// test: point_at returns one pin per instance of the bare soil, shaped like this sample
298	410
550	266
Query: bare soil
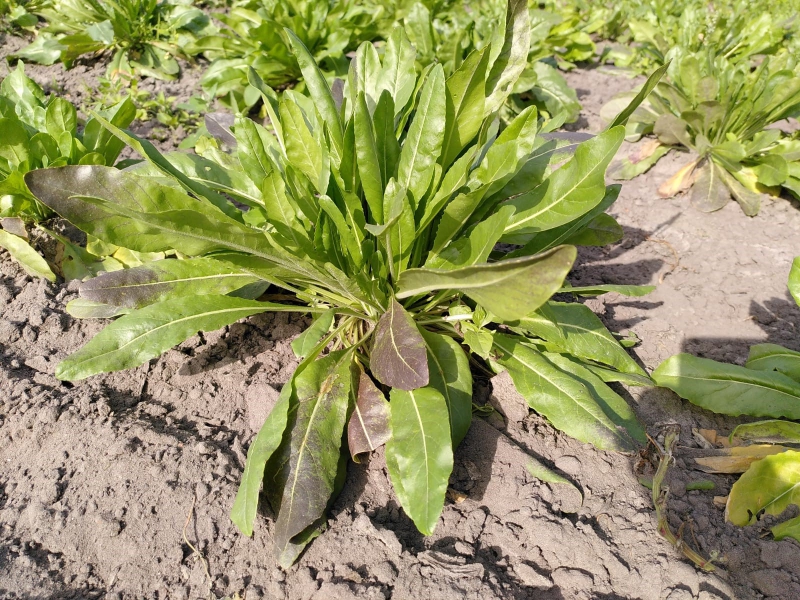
119	487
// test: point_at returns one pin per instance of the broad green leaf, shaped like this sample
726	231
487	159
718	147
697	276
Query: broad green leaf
137	337
317	417
423	142
157	281
513	56
767	432
772	357
419	454
309	339
150	153
600	231
27	257
450	375
553	237
749	200
566	401
794	280
790	528
510	289
613	405
634	291
569	192
580	332
769	486
61	117
243	512
252	148
709	192
369	426
367	158
474	247
628	169
302	149
464	96
386	144
730	389
399	357
398	76
318	88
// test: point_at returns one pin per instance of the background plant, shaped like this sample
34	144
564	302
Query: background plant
252	36
16	16
767	386
143	36
721	112
377	211
38	131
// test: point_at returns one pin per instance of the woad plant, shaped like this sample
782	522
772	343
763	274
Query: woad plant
375	206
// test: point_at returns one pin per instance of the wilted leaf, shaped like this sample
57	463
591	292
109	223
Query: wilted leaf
317	417
369	426
709	192
399	358
769	486
736	460
768	432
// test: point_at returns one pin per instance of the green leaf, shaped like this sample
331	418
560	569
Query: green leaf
61	117
419	454
302	148
367	159
767	432
569	192
163	279
464	96
790	528
634	291
318	88
304	343
628	169
398	76
243	512
730	389
580	332
369	427
794	280
769	486
649	85
513	56
772	357
566	401
399	358
450	375
600	231
137	337
26	256
317	417
510	289
474	247
423	143
149	152
386	144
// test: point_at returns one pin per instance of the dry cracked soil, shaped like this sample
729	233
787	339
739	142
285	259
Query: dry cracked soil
119	487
